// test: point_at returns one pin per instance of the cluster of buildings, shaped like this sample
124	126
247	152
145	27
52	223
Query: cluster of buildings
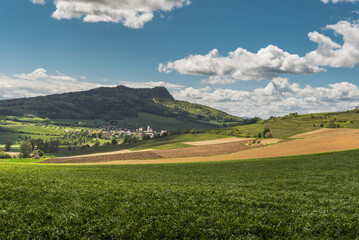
115	132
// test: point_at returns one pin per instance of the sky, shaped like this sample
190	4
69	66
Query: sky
247	57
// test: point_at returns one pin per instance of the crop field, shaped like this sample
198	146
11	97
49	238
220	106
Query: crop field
302	197
322	140
176	141
4	136
206	150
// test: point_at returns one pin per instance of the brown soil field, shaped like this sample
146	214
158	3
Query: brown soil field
218	141
322	140
206	150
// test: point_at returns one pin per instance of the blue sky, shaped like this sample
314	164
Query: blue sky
123	51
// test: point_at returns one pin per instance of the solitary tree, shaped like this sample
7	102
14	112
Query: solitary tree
25	149
265	130
8	145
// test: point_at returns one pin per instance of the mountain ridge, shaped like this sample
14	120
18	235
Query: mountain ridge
115	103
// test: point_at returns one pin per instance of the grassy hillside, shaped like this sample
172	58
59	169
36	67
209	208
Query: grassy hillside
303	197
117	105
290	125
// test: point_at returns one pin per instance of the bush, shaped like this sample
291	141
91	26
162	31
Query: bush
114	141
265	131
268	135
8	145
4	155
37	152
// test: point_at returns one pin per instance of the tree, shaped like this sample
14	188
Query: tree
265	130
114	141
8	146
268	135
25	149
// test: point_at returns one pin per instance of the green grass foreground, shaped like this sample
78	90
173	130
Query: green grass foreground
306	197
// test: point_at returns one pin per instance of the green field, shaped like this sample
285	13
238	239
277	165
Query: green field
169	142
31	129
175	141
301	197
142	120
285	128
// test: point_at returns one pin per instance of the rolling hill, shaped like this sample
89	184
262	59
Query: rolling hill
292	124
120	106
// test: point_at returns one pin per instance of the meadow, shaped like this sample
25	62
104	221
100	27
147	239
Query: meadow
305	197
285	127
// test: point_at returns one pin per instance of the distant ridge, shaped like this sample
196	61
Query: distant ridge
115	103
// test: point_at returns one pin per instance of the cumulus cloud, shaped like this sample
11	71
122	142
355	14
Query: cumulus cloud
278	98
330	53
131	13
151	85
38	83
267	63
272	62
38	1
337	1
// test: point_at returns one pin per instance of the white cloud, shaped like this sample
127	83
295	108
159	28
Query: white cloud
267	63
42	2
151	85
131	13
278	98
272	62
337	1
38	83
333	54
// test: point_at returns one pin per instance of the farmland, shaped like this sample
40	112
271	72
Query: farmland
285	127
313	196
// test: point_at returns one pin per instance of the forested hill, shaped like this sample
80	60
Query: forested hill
113	103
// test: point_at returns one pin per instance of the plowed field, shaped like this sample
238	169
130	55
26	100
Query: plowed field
322	140
205	150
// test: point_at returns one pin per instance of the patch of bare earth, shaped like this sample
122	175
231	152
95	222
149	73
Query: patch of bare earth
322	140
218	141
205	150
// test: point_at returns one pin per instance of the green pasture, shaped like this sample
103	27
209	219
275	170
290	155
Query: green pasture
142	120
31	129
300	197
285	128
175	141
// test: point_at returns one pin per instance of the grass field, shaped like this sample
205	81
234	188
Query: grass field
142	120
302	197
285	128
169	142
31	129
175	141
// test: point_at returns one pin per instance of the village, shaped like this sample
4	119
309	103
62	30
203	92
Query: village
114	132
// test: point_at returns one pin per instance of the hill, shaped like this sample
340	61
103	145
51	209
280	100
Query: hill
123	104
292	124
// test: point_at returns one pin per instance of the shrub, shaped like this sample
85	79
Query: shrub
114	141
37	152
4	155
265	131
268	135
8	145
